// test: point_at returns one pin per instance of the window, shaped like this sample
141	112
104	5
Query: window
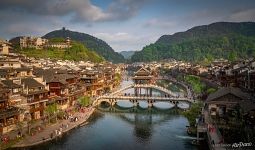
15	90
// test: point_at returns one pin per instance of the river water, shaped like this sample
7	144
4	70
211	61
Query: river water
128	128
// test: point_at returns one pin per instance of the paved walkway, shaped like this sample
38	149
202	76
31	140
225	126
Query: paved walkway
213	133
56	130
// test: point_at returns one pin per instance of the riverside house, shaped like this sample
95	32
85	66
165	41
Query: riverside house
224	100
109	75
93	81
36	96
64	87
15	99
9	115
232	112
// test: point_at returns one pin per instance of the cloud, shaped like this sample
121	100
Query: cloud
28	16
116	37
124	9
120	41
80	10
242	15
161	23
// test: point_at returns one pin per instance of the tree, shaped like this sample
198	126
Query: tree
195	45
232	56
20	126
211	90
193	113
84	101
51	110
117	77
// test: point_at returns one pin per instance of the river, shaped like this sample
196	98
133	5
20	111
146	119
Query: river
127	128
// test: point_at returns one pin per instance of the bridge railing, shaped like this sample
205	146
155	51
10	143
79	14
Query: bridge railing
123	89
184	84
156	87
148	98
170	94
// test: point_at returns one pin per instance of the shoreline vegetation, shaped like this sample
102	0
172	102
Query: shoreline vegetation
192	114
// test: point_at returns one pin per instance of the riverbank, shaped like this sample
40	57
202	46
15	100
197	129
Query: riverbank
56	130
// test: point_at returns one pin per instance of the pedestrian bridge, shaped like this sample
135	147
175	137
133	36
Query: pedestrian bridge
153	86
168	96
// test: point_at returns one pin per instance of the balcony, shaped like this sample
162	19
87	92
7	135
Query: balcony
12	111
37	99
16	97
36	92
40	108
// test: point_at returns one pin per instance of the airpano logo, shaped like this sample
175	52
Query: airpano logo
238	145
241	144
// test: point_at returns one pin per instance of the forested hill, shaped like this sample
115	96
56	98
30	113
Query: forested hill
203	43
92	43
127	54
77	52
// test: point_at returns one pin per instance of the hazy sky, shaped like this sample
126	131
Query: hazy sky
123	24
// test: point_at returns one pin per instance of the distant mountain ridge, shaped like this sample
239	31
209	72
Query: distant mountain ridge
92	43
217	40
127	54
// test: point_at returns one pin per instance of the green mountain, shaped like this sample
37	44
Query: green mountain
203	43
92	43
76	52
127	54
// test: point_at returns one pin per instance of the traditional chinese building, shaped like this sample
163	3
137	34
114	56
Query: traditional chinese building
9	115
94	82
143	76
225	99
36	95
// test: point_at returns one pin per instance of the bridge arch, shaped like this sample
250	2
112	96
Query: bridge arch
169	97
99	101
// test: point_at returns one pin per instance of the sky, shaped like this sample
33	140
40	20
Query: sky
123	24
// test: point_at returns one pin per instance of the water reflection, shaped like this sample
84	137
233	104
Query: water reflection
183	105
124	103
143	104
163	105
144	123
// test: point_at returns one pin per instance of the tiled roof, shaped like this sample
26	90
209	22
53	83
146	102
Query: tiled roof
54	75
142	72
31	83
247	106
228	90
9	84
23	69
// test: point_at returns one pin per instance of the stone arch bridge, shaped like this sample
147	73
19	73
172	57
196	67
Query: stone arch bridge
168	96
